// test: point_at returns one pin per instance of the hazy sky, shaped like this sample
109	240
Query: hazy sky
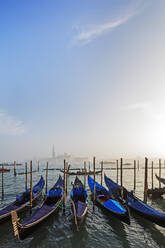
86	76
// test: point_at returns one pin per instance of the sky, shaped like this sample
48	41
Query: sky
86	76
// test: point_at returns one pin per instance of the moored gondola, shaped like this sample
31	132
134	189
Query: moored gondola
22	200
104	199
53	199
78	199
162	180
136	204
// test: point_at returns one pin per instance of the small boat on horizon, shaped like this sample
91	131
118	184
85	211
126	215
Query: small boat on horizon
81	172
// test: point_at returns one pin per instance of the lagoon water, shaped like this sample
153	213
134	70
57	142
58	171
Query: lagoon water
97	230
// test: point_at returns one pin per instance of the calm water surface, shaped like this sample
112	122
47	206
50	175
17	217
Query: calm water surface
97	230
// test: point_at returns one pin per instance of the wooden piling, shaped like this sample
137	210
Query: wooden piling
159	172
134	174
94	171
2	182
38	165
121	172
101	172
64	182
138	164
152	175
26	176
145	180
85	170
46	178
89	166
31	184
117	164
15	173
66	177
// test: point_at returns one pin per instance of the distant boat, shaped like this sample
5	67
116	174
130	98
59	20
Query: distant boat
22	200
53	199
162	180
136	204
104	199
81	172
78	198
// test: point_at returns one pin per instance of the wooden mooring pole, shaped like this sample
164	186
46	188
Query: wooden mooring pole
15	173
94	179
38	165
152	175
64	182
134	174
102	172
26	176
46	177
89	166
85	170
117	164
31	184
2	182
66	176
121	178
159	172
121	172
145	180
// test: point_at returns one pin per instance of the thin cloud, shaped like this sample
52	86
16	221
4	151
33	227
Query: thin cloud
88	35
10	125
148	109
138	106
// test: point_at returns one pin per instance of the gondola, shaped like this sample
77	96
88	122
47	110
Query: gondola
22	200
78	199
162	180
53	199
136	204
104	199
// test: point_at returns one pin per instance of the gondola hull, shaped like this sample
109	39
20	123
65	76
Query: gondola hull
5	213
139	206
53	199
7	216
81	210
123	217
78	195
111	206
25	230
